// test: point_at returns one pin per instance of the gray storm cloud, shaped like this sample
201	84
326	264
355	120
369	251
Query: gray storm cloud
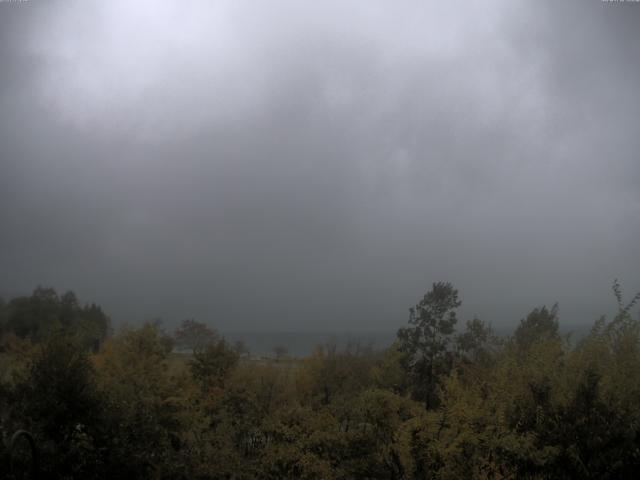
316	165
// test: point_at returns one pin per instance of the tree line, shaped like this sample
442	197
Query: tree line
440	402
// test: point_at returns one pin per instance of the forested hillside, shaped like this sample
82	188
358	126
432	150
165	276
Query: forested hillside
447	400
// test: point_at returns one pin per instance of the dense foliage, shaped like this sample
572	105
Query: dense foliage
435	404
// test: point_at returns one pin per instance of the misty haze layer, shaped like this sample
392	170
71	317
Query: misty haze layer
292	165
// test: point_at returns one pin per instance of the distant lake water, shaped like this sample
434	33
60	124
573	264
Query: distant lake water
301	344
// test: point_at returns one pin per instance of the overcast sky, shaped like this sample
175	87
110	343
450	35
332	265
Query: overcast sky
316	165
